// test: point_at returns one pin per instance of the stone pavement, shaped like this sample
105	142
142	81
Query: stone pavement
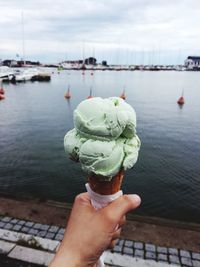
37	243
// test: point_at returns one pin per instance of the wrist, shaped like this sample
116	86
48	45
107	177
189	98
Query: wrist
67	258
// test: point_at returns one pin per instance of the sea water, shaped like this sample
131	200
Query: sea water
34	118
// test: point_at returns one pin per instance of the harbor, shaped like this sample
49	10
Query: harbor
21	71
10	68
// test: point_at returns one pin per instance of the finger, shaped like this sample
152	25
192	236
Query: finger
115	237
83	197
119	207
116	234
83	201
122	222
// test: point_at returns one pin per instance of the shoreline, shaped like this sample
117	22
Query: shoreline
161	232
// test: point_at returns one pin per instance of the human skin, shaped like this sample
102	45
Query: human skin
90	232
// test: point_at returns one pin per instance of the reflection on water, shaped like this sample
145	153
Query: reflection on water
180	106
35	117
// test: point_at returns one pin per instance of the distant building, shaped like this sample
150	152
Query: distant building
104	63
10	63
19	63
73	61
28	62
72	64
90	61
192	63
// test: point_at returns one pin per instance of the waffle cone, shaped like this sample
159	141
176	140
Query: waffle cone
102	187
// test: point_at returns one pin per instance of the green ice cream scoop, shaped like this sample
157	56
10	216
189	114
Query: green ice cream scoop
104	139
105	119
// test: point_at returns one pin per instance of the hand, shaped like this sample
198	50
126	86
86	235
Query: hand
89	232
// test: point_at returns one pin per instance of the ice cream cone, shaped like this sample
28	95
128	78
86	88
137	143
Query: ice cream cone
104	187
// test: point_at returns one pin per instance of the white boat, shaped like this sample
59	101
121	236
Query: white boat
42	75
6	73
180	68
26	74
31	74
71	65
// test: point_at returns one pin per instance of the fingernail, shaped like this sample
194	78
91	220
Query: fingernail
136	198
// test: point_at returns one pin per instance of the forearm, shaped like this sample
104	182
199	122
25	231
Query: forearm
67	263
64	258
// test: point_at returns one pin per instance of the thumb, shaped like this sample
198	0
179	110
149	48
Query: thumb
119	207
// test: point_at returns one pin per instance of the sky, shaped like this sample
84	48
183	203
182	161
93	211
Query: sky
119	31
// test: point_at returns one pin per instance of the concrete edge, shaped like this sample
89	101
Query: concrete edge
29	240
30	255
128	261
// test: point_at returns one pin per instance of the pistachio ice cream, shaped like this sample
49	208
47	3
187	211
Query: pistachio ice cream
104	139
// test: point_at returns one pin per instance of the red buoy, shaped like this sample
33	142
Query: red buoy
2	91
181	100
2	97
90	95
123	95
68	94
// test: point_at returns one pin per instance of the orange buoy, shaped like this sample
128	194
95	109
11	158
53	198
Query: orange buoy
2	91
2	97
123	95
90	95
181	100
68	94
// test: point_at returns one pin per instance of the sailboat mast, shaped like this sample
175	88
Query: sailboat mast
23	42
83	52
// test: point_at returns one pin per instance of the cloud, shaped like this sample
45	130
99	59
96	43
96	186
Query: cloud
111	29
